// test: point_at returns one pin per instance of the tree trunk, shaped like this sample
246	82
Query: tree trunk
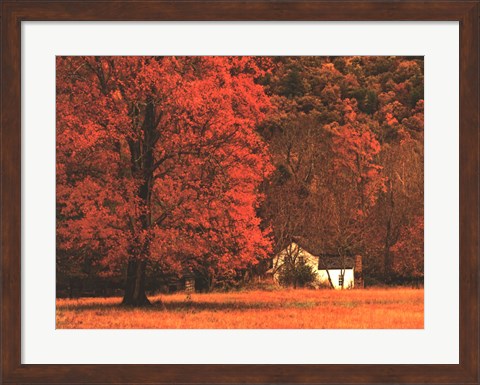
330	280
141	152
387	260
135	286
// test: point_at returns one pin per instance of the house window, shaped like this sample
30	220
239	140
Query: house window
340	280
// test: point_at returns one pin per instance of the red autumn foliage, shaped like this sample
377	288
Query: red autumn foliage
158	160
213	164
347	144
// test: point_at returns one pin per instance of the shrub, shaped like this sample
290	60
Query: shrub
297	274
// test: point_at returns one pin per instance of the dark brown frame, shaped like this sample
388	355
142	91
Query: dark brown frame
15	11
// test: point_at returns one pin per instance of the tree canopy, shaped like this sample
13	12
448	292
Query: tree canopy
212	164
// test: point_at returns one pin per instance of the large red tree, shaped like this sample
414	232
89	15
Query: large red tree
158	160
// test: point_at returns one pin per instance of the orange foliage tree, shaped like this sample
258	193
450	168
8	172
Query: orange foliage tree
158	160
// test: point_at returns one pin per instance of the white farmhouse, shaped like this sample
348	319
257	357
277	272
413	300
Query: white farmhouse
331	270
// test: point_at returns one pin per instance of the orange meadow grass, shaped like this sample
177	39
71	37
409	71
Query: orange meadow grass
375	308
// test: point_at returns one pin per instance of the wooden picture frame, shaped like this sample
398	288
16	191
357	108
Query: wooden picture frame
14	12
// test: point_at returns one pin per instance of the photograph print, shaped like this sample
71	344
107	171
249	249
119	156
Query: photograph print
234	192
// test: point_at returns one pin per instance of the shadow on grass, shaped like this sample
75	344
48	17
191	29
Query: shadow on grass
198	306
190	306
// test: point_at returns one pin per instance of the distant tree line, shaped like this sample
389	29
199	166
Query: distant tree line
346	138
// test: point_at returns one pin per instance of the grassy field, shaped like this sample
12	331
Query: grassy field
379	308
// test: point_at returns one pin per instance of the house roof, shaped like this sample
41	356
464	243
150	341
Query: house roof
316	248
328	261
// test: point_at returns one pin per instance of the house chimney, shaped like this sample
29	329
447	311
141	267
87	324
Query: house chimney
358	273
358	263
